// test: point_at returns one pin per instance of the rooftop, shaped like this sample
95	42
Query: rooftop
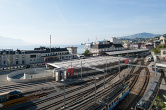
126	51
89	62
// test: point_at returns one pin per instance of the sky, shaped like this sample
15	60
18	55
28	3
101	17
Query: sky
72	22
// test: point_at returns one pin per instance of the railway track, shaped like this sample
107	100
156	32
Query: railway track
77	97
128	102
141	90
59	95
136	76
89	101
46	93
23	86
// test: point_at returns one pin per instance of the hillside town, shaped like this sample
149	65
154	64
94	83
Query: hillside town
9	57
117	44
125	63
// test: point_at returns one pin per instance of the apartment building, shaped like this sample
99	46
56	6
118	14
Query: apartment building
38	55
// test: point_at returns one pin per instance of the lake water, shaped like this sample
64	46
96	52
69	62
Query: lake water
80	48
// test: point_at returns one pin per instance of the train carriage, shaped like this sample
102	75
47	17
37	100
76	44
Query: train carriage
147	100
110	101
11	98
120	94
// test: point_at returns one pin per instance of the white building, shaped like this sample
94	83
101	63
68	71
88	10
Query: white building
38	55
126	45
107	46
72	51
163	40
88	46
113	40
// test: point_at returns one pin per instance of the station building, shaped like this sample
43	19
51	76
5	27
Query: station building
97	48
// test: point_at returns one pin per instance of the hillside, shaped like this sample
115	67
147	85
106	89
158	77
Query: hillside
140	35
10	41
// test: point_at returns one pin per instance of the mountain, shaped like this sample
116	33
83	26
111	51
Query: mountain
141	35
10	41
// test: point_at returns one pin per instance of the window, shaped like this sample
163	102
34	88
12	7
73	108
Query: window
3	100
164	52
16	62
32	56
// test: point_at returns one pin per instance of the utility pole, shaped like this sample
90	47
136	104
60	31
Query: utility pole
81	70
71	71
94	77
104	73
119	69
50	43
10	60
155	70
95	89
64	93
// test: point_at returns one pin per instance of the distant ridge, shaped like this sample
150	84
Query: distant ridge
10	41
140	35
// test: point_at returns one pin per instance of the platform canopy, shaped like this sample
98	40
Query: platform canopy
126	51
88	62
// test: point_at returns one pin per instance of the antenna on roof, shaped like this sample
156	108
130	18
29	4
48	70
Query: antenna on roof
50	43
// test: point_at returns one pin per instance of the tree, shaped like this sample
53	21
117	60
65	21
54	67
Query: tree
159	103
154	50
86	53
158	49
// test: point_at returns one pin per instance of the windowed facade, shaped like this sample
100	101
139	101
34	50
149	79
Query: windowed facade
38	55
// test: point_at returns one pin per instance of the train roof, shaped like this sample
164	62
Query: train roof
3	94
11	92
115	93
148	97
15	92
108	98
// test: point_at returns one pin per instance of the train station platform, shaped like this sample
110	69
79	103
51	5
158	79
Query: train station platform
88	62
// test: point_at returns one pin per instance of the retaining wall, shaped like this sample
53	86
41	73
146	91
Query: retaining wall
36	77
